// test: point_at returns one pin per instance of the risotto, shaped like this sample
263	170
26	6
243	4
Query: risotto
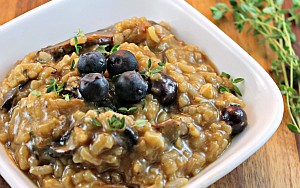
127	106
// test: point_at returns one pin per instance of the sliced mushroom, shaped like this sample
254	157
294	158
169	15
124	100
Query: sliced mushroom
127	139
172	129
100	37
8	98
61	147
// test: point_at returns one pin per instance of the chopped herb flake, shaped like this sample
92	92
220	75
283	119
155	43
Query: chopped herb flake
77	47
140	123
153	70
96	122
72	65
55	87
237	90
31	133
67	97
36	93
130	110
115	48
103	49
115	123
144	102
162	63
226	75
233	82
223	89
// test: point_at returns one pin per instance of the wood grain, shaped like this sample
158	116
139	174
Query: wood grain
276	164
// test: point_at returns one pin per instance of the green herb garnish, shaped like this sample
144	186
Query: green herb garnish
115	123
96	122
153	70
102	49
144	102
140	123
272	23
72	65
57	89
77	47
79	32
66	97
54	87
130	110
36	93
115	48
233	82
223	89
31	133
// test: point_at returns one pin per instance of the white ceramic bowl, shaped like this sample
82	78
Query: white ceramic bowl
57	21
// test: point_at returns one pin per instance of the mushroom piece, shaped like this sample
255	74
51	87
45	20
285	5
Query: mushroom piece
127	139
61	147
172	129
8	98
100	37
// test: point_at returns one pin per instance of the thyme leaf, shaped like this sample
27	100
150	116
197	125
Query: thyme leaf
144	102
77	47
130	110
223	89
57	88
72	67
140	123
233	82
95	122
36	93
116	123
103	49
153	70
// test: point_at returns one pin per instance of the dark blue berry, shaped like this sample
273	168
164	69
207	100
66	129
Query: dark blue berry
130	87
164	89
236	117
93	87
121	61
92	62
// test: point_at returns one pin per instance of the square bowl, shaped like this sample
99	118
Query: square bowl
57	20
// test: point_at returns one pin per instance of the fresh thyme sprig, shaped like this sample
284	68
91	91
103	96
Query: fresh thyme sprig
57	89
77	47
153	70
268	19
102	49
116	123
233	82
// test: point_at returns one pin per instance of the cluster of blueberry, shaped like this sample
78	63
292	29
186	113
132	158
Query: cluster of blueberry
128	85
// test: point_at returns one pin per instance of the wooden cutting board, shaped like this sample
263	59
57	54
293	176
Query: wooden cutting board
276	164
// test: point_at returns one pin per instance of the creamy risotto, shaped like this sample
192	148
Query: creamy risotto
127	106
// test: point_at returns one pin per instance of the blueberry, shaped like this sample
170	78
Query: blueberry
236	117
92	62
93	87
121	61
130	87
164	89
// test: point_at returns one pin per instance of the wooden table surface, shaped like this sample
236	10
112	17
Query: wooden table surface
276	164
